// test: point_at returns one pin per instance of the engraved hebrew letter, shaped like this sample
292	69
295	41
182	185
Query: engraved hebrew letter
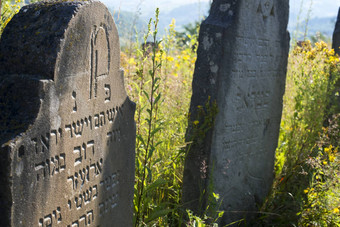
48	220
96	121
87	196
90	217
69	128
95	195
90	144
40	169
62	161
110	115
99	166
90	122
82	220
41	222
108	183
113	201
45	143
102	118
75	224
83	176
78	127
59	218
109	135
54	133
114	180
107	88
78	160
78	201
74	95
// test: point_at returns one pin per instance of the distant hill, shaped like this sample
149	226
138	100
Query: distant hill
129	25
185	14
324	25
128	22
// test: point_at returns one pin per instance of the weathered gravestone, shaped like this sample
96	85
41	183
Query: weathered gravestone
336	35
336	47
241	65
67	130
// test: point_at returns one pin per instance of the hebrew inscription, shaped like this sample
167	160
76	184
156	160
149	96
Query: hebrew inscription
72	161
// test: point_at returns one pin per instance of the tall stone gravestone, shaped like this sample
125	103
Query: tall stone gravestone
67	130
240	71
336	35
336	47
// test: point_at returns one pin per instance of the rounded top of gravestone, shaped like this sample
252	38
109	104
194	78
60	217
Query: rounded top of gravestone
58	39
337	24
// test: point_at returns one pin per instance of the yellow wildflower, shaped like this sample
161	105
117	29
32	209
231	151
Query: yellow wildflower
196	122
186	57
173	22
336	210
177	65
169	58
132	61
328	149
311	54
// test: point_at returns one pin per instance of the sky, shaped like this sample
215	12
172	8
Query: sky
320	8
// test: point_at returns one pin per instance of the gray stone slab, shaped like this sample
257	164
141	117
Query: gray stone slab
336	35
241	66
67	131
336	46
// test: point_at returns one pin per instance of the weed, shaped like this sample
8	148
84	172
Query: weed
7	11
307	168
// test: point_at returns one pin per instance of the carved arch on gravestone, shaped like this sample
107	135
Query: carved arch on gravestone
100	58
266	7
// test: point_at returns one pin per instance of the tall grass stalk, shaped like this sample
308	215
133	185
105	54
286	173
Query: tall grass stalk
309	12
147	144
297	28
157	202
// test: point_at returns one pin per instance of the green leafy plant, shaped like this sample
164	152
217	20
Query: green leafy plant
303	190
147	143
7	10
322	202
156	76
